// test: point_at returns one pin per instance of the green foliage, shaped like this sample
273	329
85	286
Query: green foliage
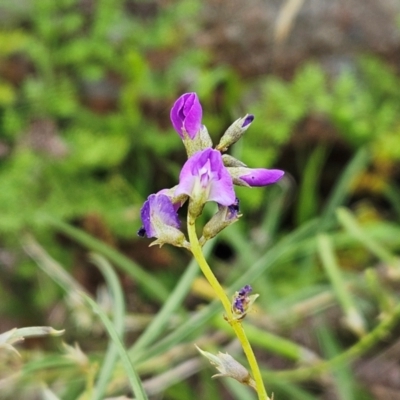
362	105
89	81
86	130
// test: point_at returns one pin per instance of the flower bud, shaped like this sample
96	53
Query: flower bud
160	220
186	115
228	367
230	161
243	176
235	132
225	216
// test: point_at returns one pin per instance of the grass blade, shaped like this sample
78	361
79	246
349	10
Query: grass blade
349	222
133	377
308	195
159	322
341	190
354	319
144	279
111	355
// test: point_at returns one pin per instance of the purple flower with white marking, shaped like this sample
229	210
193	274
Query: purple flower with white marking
160	221
186	115
243	176
204	178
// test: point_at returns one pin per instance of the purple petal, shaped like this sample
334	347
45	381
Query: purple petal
169	193
158	207
177	116
245	290
238	305
262	177
248	120
187	113
205	171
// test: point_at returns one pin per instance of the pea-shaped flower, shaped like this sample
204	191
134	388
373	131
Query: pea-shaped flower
205	178
186	115
160	220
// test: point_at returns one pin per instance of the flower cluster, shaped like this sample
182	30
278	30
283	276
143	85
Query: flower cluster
207	175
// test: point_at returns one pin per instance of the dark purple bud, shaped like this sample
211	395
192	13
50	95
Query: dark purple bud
248	120
141	232
235	205
233	210
238	305
245	291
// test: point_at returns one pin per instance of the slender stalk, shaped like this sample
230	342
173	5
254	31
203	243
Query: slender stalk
236	324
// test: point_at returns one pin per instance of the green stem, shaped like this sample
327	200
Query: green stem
236	325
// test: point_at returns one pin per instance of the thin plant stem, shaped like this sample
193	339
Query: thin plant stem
236	324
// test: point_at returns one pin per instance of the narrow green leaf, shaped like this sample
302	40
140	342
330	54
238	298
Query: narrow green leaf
144	279
133	377
271	342
111	355
342	188
349	222
307	205
354	319
157	325
343	378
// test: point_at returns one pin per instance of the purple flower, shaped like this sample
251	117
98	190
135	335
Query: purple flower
204	178
158	209
243	176
160	220
186	115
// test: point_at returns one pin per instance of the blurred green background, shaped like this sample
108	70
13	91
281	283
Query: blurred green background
85	92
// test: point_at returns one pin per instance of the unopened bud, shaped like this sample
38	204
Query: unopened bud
235	132
228	367
224	217
251	177
169	234
230	161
